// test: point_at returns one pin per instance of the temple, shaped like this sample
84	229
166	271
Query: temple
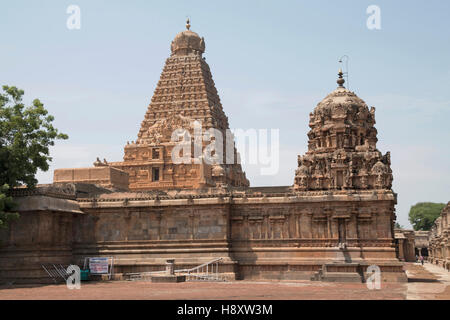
335	221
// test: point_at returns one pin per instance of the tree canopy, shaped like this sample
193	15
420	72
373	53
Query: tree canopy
26	133
423	214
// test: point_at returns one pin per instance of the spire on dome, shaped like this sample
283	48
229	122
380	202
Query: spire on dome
341	80
188	25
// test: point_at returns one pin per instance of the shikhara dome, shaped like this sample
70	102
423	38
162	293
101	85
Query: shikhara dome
187	42
342	120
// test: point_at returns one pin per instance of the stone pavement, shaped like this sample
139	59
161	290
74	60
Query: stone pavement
428	282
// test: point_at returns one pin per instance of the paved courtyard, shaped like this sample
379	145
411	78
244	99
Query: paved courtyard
428	282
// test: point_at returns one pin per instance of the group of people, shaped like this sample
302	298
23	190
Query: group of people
420	258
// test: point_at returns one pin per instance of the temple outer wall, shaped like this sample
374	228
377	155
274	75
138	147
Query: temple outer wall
280	236
259	237
42	235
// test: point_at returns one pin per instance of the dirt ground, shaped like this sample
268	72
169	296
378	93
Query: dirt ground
429	282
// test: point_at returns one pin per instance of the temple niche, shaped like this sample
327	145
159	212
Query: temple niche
342	152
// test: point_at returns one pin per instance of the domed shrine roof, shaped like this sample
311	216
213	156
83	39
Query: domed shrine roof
341	102
187	42
342	112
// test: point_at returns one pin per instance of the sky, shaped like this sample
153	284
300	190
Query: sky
272	62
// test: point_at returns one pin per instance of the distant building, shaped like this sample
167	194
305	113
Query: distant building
405	245
421	243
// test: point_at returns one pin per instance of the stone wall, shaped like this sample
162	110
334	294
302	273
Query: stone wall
43	234
103	176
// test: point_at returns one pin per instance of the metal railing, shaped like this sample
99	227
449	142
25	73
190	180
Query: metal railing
208	271
56	272
142	275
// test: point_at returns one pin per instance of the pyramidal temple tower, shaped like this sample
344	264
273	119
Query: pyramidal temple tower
342	152
185	93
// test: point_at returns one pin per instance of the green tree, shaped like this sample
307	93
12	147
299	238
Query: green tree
26	133
423	214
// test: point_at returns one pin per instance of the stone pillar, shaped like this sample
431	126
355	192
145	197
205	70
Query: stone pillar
401	249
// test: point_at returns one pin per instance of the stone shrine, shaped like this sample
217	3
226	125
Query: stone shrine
342	153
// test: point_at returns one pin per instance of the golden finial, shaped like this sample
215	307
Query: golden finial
341	80
188	26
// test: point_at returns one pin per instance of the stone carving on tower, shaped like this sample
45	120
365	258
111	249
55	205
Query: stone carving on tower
342	152
185	93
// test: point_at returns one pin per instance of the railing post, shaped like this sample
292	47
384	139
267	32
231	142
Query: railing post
170	266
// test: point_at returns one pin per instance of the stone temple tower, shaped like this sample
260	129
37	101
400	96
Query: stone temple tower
342	152
185	93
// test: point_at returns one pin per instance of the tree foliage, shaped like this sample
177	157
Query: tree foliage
26	133
423	214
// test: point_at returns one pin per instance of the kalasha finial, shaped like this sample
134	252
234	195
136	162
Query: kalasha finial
341	80
188	26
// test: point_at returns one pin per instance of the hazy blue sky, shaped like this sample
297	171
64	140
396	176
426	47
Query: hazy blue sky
272	62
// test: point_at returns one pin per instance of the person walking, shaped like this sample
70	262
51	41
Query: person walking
421	259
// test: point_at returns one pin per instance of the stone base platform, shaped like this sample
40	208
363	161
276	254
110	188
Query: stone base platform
340	277
357	272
